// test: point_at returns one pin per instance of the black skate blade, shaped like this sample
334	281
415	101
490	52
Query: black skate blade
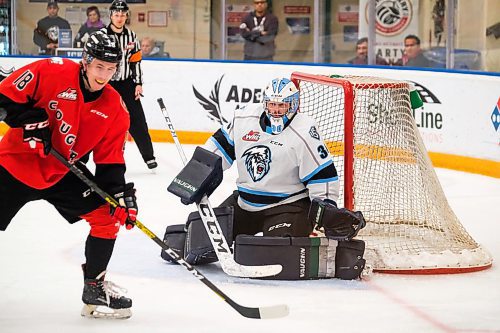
104	312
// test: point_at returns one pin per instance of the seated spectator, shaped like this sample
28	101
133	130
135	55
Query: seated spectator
150	50
46	33
413	55
92	24
361	57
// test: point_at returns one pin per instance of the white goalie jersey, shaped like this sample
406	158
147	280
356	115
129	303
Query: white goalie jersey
275	169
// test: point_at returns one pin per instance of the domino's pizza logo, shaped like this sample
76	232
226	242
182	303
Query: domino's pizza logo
495	116
257	161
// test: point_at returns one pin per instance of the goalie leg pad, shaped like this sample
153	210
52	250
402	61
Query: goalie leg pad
349	262
201	175
198	247
302	258
299	256
175	238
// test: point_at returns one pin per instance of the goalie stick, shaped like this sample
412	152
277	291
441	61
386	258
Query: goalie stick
263	312
214	231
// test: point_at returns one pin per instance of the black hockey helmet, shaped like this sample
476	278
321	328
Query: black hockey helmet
119	6
101	46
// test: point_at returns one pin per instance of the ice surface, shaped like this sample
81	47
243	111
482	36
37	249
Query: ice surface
41	282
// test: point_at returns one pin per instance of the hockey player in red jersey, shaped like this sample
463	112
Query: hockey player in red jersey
69	106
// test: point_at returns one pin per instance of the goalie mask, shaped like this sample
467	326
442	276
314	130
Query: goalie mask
281	101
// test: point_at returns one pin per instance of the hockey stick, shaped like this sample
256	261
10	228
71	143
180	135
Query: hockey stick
219	242
265	312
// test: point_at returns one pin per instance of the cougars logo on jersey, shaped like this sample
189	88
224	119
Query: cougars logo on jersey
257	161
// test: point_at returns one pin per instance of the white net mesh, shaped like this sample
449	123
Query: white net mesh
410	226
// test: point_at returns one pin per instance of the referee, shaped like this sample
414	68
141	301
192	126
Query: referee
128	79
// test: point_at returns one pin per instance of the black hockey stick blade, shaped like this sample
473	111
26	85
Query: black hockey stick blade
268	312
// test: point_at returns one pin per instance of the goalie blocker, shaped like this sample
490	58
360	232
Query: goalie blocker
200	176
302	258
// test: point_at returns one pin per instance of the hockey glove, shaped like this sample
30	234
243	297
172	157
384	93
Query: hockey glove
254	35
126	213
338	223
36	130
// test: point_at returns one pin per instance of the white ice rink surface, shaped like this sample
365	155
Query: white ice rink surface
41	281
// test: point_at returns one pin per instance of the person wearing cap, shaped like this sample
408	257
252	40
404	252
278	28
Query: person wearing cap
46	34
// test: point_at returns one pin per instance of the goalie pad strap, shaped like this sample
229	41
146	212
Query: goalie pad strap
302	258
200	176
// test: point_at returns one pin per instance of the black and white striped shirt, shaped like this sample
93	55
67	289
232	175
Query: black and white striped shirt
130	66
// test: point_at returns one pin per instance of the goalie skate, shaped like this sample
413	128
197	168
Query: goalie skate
103	300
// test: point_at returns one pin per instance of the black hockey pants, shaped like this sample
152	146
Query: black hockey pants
138	124
287	220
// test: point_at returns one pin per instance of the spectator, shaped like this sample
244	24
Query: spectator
46	34
150	50
413	55
361	57
92	24
259	29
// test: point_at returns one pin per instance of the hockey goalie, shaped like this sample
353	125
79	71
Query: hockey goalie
287	189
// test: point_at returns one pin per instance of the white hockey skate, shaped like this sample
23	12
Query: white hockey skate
102	299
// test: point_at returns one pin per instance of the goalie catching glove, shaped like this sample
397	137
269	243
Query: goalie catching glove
339	224
126	212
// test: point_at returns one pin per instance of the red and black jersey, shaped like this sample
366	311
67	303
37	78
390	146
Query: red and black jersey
77	127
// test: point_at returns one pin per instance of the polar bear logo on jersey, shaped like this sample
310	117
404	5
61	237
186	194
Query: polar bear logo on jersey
257	161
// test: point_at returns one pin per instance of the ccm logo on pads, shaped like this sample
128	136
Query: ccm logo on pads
279	225
99	113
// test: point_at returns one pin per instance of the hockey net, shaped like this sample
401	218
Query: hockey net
385	172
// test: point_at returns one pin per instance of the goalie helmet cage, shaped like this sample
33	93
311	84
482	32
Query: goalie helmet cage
385	172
